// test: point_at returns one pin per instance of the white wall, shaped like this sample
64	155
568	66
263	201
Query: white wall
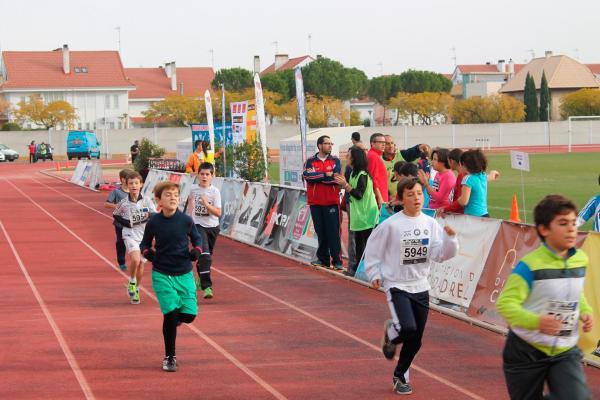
483	89
136	107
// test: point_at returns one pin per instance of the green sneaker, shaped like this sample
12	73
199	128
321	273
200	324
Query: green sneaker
198	285
208	293
131	288
123	267
136	297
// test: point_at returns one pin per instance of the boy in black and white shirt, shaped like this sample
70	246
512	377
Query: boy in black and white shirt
205	207
398	256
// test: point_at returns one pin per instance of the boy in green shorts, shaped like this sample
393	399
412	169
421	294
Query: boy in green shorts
543	301
172	276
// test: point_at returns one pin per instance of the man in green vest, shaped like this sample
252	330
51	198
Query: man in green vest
392	155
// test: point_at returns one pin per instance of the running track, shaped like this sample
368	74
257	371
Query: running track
275	329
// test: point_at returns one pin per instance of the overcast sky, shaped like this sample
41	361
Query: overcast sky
375	36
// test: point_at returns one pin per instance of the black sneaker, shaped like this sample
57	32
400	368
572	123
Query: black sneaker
387	347
170	364
318	263
401	387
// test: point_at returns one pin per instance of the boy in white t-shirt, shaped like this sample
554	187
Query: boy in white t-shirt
205	207
398	257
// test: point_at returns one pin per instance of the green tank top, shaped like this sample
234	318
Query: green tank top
364	213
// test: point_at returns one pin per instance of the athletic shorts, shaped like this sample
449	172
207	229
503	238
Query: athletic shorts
131	244
175	291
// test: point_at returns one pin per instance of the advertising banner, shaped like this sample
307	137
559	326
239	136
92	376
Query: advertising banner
512	242
301	111
231	198
238	122
260	116
251	121
589	341
155	176
251	212
455	280
302	236
200	132
277	222
209	119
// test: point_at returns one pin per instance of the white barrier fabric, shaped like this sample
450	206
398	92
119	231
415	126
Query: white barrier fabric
455	280
87	173
251	212
231	198
155	176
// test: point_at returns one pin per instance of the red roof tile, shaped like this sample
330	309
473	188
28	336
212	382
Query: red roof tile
44	69
153	83
292	63
595	68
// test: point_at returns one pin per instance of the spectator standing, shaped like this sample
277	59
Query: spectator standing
135	151
43	151
196	158
323	197
355	138
377	168
31	148
391	155
443	182
474	185
362	204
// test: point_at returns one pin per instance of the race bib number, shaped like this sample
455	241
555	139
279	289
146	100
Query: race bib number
414	251
565	312
200	209
139	216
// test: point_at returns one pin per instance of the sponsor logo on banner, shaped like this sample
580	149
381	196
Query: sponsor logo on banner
277	226
251	213
301	234
455	280
155	176
230	201
238	121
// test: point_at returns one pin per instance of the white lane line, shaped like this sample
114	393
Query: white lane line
432	375
207	339
59	336
329	325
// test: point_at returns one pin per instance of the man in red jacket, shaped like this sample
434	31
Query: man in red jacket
323	197
377	168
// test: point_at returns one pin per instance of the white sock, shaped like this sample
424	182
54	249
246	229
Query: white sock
132	280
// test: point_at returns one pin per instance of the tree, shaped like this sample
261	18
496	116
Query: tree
320	111
235	79
277	83
544	99
325	77
177	110
492	109
530	100
48	115
413	81
582	102
4	106
383	88
147	150
355	118
426	106
249	163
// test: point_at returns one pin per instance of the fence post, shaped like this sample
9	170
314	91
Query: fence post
591	134
499	135
453	136
406	136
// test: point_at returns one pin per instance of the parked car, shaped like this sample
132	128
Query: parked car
8	154
82	144
2	158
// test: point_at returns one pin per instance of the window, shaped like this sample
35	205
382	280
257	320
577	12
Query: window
116	101
80	126
87	126
107	101
111	125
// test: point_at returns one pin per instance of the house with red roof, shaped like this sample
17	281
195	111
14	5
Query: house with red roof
155	84
283	62
482	79
94	82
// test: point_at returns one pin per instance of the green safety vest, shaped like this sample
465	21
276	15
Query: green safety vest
364	213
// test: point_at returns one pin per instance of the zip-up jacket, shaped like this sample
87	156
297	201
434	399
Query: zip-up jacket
545	283
591	209
321	190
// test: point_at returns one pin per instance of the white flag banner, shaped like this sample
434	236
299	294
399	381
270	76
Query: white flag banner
519	160
455	280
209	119
301	111
260	117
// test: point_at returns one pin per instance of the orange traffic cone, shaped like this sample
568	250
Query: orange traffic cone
57	166
514	210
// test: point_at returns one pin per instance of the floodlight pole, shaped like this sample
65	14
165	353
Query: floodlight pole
223	130
523	194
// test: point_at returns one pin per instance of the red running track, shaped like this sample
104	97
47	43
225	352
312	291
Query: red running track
275	328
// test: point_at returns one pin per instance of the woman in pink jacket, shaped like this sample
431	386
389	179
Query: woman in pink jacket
439	192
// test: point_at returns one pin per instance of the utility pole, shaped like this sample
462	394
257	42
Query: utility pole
576	54
276	43
118	29
454	55
309	44
532	52
212	58
380	65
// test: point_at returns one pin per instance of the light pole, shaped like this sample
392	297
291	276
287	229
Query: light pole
223	129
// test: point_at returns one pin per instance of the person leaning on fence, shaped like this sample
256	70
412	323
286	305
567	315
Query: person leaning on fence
399	256
542	302
362	204
196	158
323	197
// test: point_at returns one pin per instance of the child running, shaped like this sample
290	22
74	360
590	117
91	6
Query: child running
172	276
113	199
133	212
398	256
205	206
542	301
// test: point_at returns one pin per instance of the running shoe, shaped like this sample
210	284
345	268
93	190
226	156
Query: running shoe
401	387
318	263
169	364
208	293
198	284
387	347
123	267
136	297
131	288
338	266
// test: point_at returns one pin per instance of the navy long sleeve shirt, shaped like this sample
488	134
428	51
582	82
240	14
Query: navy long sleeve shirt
171	235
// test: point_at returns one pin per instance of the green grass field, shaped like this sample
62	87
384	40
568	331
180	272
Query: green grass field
574	175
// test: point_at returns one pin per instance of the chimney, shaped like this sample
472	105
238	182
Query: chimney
168	69
173	76
319	56
280	60
511	68
181	88
257	64
548	53
501	64
66	66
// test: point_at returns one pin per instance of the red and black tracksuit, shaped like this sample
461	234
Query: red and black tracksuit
323	197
